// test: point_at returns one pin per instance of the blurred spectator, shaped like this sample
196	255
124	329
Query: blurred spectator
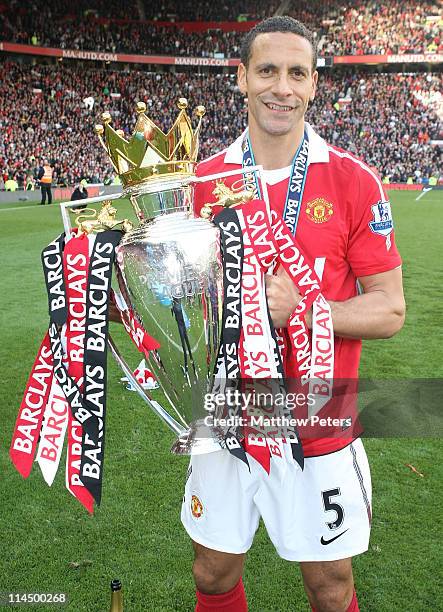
80	193
29	183
11	184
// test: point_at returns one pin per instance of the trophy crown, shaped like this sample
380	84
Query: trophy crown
150	152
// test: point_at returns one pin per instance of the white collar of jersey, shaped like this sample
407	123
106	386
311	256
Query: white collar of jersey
318	148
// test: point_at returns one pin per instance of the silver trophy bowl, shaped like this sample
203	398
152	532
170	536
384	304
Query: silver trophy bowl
169	272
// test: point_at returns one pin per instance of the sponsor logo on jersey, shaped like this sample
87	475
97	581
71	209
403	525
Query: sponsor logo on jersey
319	210
196	507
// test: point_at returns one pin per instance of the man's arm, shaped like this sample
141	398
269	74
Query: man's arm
379	312
114	313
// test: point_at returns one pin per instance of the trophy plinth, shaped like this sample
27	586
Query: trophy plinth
199	439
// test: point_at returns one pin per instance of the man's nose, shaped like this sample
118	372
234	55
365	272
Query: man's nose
282	86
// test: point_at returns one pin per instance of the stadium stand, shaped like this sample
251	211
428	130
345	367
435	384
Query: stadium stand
226	10
377	27
392	120
63	9
387	119
383	119
343	27
166	10
130	37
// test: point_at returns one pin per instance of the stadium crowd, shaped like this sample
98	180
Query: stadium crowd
380	27
342	26
205	10
115	37
388	120
49	111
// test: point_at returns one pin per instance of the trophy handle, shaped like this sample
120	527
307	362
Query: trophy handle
155	406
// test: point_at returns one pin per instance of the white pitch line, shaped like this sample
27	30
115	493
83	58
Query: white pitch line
20	207
424	192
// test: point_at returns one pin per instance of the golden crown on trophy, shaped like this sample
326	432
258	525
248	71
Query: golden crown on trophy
150	152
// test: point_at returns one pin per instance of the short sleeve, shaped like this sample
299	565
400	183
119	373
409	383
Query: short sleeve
371	244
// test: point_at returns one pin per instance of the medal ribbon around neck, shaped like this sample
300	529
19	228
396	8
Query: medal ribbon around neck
311	364
296	185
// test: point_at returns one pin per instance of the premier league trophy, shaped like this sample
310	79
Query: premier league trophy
169	269
205	333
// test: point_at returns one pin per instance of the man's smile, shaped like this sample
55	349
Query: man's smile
281	108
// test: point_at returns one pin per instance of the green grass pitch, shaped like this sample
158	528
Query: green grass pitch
49	542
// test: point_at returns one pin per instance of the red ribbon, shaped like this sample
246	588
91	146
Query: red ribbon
32	408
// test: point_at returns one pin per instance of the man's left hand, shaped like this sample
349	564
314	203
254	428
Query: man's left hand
283	297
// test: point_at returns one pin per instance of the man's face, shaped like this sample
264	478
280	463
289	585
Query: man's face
279	82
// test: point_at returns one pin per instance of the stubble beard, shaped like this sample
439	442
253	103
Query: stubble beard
274	128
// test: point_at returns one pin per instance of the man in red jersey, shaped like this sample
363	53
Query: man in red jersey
319	516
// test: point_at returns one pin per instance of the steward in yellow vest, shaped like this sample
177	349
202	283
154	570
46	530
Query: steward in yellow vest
45	175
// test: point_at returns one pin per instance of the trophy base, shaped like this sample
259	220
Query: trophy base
199	439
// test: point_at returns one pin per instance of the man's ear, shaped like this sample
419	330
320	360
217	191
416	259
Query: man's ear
241	78
314	85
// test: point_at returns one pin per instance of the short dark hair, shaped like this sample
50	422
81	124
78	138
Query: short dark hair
280	23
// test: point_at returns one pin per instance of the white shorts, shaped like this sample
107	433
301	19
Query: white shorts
322	513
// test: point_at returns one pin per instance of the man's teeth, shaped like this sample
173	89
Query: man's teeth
278	107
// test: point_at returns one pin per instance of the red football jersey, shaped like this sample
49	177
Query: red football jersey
344	230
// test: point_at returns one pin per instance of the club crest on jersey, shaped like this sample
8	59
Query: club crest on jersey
319	210
196	507
382	223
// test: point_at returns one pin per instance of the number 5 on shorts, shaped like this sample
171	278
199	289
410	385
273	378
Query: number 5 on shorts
330	505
